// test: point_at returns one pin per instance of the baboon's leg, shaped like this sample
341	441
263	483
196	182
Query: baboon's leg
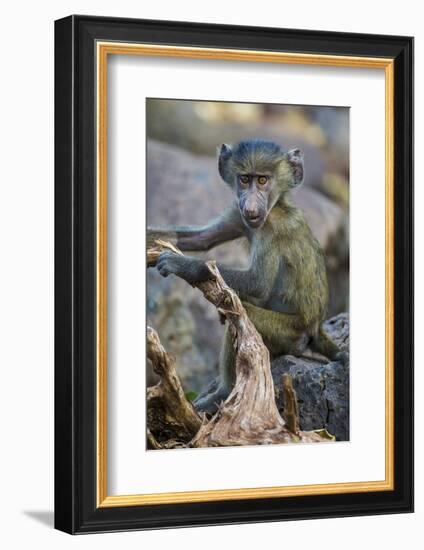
227	357
283	333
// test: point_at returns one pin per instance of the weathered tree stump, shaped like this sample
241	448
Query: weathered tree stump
249	416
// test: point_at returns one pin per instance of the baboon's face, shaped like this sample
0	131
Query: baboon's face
260	172
253	193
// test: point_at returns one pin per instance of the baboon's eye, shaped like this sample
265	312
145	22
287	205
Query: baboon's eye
262	180
244	179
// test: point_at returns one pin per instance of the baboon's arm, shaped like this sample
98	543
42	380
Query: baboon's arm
254	282
200	238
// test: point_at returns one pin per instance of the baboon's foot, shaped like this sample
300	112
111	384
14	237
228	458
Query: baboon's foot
210	402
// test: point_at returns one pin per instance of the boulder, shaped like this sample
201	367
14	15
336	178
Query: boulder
322	388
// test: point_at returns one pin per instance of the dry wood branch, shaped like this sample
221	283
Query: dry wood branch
154	252
151	441
171	418
291	409
249	416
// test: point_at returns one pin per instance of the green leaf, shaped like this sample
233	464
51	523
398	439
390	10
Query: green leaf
191	395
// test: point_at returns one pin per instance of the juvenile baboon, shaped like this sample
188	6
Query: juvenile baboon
284	289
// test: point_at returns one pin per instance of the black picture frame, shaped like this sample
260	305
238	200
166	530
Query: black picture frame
76	508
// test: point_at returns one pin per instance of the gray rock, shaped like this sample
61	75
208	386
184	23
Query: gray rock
188	326
322	388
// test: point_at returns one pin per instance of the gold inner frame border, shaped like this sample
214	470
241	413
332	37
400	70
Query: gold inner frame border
103	50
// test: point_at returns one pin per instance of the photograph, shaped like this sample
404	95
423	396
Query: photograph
251	199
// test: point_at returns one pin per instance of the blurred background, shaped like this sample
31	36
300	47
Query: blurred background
184	187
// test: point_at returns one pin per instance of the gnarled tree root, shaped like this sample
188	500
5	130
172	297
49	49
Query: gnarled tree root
249	416
171	419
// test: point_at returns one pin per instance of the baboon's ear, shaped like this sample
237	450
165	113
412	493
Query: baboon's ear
295	159
224	154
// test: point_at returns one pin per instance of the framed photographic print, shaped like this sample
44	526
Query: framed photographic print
234	268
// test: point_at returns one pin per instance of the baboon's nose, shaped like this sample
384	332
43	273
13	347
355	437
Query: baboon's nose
251	213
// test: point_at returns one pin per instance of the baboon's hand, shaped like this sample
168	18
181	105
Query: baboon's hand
170	263
190	269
